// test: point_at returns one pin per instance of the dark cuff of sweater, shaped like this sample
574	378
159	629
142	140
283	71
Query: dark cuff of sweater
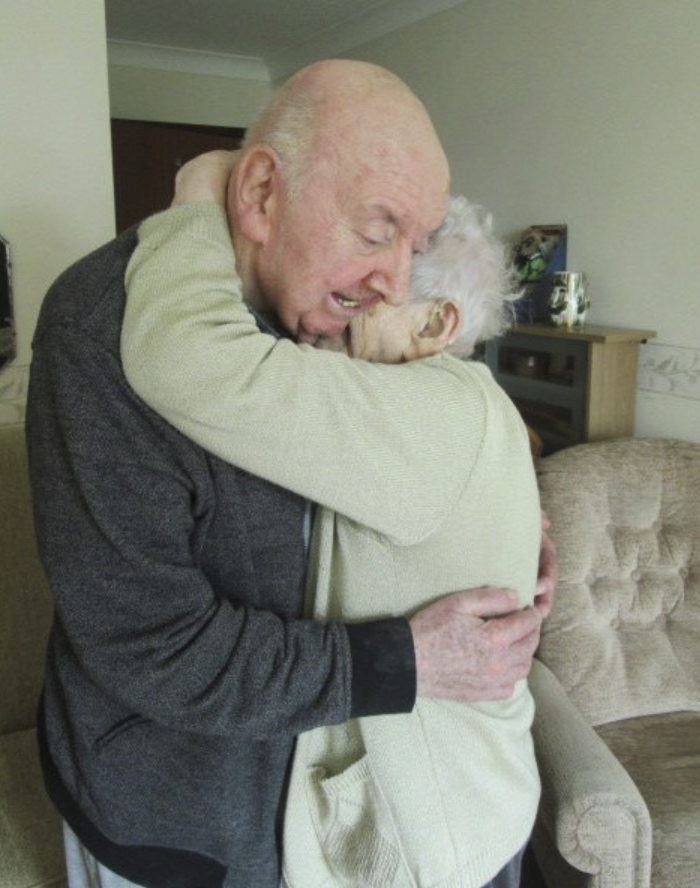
383	667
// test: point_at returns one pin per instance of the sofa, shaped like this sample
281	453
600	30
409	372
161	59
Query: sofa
31	850
617	676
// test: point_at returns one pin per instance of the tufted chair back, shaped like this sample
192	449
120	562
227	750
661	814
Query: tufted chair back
624	635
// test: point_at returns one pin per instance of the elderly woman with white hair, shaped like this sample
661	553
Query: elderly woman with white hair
424	481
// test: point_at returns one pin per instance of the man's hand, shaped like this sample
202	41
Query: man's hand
473	646
204	178
548	572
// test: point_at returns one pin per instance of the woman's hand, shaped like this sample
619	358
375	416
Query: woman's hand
205	177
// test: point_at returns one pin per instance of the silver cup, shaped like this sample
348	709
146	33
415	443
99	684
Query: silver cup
569	301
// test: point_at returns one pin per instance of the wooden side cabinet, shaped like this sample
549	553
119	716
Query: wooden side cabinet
570	386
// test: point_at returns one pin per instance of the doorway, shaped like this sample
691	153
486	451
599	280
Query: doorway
146	156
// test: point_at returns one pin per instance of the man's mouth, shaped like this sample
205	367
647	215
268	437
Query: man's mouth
335	322
347	303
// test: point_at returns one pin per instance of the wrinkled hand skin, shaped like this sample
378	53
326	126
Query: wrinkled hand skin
473	646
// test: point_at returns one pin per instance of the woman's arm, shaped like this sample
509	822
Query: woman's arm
377	443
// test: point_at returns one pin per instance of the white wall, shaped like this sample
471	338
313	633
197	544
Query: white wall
185	97
56	197
586	113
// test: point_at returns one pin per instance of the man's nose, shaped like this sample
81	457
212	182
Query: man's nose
390	276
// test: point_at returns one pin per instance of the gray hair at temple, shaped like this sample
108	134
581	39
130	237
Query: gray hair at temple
288	127
465	262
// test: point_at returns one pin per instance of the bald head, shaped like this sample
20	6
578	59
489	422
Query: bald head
339	183
339	103
327	86
340	84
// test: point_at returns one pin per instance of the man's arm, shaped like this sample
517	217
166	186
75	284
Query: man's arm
113	489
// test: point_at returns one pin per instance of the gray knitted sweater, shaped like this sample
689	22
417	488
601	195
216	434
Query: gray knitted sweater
178	670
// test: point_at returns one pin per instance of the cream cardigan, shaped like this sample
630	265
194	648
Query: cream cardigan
427	486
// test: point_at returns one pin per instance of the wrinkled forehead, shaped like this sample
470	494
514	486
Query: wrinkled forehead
381	120
402	125
410	185
406	178
379	148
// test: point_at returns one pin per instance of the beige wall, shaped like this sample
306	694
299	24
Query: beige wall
585	113
56	200
180	97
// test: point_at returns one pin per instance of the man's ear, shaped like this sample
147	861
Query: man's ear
440	328
254	192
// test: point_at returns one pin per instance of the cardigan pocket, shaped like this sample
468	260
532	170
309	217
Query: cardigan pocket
353	824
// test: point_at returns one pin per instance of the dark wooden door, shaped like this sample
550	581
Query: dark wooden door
146	157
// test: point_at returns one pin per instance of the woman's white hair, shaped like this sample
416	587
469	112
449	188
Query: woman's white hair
465	262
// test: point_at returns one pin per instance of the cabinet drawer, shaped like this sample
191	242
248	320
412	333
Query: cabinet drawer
569	385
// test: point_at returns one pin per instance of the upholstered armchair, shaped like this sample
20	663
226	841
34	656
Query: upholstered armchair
617	681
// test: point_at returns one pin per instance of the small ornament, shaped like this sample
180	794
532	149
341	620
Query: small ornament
569	301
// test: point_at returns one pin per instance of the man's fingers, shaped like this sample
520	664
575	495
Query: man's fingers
520	628
548	577
486	602
474	645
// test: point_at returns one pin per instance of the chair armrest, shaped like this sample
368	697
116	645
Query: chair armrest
590	806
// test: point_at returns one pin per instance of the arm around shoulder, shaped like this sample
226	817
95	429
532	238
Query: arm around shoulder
193	352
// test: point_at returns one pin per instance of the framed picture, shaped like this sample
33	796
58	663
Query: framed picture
538	254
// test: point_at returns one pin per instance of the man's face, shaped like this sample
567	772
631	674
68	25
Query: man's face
346	242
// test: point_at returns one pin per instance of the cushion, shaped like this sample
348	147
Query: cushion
662	755
31	841
624	634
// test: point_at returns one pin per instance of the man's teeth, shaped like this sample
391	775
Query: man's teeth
347	303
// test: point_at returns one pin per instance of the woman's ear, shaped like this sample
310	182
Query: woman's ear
254	192
440	328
